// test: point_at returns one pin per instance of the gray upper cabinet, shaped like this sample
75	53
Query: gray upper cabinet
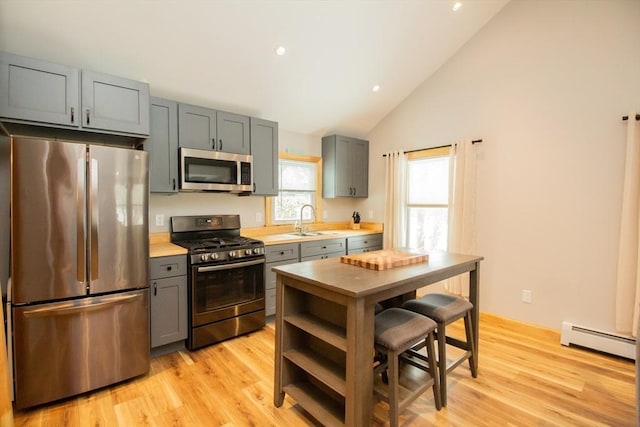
49	94
162	146
114	103
264	148
38	91
345	163
207	129
197	127
233	133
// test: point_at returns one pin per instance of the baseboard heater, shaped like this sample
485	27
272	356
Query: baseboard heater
607	342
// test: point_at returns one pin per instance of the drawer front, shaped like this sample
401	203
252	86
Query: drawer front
275	253
167	266
362	242
322	247
322	256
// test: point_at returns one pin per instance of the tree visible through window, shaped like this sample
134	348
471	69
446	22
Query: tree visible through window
428	200
298	186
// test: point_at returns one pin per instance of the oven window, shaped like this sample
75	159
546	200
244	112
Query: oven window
210	171
223	288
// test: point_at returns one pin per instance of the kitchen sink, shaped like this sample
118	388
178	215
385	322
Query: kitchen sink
313	233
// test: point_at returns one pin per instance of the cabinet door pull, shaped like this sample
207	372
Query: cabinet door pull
174	183
88	116
213	143
169	268
155	289
220	145
354	191
254	187
73	115
282	253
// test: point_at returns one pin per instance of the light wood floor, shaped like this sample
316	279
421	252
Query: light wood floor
526	378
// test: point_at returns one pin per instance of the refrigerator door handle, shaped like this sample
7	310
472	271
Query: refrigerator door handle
80	222
93	206
71	308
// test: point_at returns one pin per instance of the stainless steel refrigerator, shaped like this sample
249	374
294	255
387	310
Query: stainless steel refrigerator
79	267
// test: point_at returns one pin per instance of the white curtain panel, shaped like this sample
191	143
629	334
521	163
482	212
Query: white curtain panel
462	209
395	200
628	278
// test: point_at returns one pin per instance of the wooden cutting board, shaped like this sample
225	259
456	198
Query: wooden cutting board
385	258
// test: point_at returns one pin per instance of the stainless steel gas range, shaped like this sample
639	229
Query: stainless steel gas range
226	278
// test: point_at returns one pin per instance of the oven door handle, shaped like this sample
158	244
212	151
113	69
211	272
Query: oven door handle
230	266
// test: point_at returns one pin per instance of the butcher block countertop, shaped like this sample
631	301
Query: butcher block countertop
385	259
160	243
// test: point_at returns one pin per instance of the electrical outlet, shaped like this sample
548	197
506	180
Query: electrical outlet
370	214
258	217
159	219
325	214
527	296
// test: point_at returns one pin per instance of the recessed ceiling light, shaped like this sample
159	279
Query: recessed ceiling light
375	88
457	5
281	50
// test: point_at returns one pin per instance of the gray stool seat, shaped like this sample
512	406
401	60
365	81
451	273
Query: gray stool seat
445	309
396	331
442	308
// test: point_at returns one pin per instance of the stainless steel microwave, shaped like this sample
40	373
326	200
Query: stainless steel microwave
202	170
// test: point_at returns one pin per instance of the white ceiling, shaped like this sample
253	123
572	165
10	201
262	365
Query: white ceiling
221	53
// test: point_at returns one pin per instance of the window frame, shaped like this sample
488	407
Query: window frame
418	155
268	201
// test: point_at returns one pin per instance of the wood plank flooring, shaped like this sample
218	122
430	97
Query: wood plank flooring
525	378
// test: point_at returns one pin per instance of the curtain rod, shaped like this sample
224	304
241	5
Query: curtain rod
627	117
475	141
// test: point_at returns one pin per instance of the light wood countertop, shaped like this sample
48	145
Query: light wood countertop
160	243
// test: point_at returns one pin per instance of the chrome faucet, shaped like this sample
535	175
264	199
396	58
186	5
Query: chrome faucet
302	221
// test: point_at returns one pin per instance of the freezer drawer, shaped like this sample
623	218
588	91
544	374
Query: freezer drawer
66	348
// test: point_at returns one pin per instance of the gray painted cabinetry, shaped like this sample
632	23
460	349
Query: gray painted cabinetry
276	255
162	146
48	94
366	243
345	164
264	148
168	299
207	129
322	249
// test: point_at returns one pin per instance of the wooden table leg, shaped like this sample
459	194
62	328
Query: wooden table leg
474	298
278	394
359	375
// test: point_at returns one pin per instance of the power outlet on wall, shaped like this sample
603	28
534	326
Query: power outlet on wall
159	219
527	296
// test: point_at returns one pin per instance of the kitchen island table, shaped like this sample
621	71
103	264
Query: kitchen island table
324	329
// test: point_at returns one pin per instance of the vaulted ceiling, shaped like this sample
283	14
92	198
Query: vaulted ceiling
221	54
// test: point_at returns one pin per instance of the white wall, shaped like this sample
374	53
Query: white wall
250	208
545	85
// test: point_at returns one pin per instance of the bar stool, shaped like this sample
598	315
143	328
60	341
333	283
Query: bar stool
445	309
396	331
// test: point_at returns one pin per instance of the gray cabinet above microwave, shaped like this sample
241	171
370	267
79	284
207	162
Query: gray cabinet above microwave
207	129
42	93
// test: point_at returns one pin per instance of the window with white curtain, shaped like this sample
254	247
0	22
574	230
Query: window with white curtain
428	199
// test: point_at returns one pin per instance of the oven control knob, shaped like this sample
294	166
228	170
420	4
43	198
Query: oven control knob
204	257
256	251
247	251
214	256
232	254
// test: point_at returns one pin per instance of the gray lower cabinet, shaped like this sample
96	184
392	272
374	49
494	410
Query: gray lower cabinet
276	255
322	249
48	94
264	148
366	243
162	146
207	129
345	167
168	299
